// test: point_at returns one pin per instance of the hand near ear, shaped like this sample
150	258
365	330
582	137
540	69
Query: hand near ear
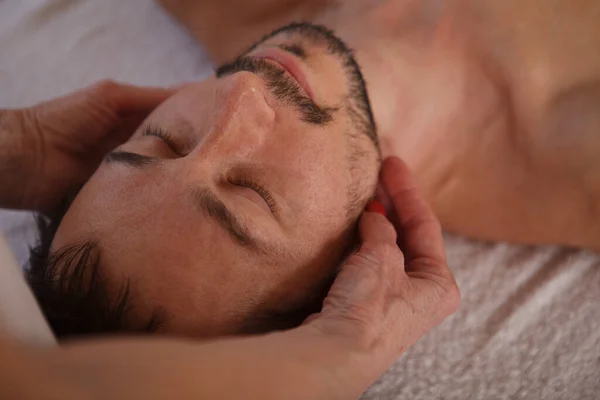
397	286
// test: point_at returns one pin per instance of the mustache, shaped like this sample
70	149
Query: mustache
282	86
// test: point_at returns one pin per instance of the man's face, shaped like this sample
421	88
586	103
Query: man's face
237	197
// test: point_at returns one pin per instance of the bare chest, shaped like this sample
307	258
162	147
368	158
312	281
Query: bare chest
450	71
546	52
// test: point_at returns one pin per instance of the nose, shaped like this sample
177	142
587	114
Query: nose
243	118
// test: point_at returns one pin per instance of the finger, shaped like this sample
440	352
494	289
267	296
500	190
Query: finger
378	248
375	229
384	199
417	225
364	272
125	128
129	99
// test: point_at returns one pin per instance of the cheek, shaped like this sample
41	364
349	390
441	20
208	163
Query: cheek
314	164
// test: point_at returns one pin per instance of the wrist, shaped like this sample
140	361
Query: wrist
296	364
344	365
14	164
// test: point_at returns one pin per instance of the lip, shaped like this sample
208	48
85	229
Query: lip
289	63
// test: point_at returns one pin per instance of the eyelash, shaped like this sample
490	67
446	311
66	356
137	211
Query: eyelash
262	191
165	137
244	182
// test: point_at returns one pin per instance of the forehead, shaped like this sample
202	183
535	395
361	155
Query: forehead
181	261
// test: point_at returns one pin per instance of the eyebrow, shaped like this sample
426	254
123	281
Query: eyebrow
204	199
208	203
130	159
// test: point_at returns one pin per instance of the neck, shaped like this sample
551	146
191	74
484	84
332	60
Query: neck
421	75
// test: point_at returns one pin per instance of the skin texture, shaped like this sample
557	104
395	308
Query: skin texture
493	105
386	297
146	219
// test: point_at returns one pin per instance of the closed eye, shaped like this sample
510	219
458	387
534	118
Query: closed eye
261	190
246	182
165	137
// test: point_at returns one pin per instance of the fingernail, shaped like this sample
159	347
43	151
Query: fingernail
375	206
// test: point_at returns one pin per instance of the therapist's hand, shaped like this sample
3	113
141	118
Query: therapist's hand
53	147
396	287
385	298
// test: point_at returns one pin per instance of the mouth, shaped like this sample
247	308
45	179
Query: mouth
289	63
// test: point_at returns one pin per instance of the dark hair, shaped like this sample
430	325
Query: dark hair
70	289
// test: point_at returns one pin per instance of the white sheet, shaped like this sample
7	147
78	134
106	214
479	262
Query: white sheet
529	324
20	316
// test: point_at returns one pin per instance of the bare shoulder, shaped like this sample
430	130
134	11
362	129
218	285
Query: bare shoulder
554	76
510	152
547	62
227	27
550	59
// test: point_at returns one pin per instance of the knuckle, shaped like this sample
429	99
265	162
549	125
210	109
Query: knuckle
388	229
366	259
384	226
424	218
454	298
385	254
446	293
105	87
399	255
450	296
385	251
391	254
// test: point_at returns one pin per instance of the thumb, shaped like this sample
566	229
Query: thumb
374	228
124	106
97	118
126	100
